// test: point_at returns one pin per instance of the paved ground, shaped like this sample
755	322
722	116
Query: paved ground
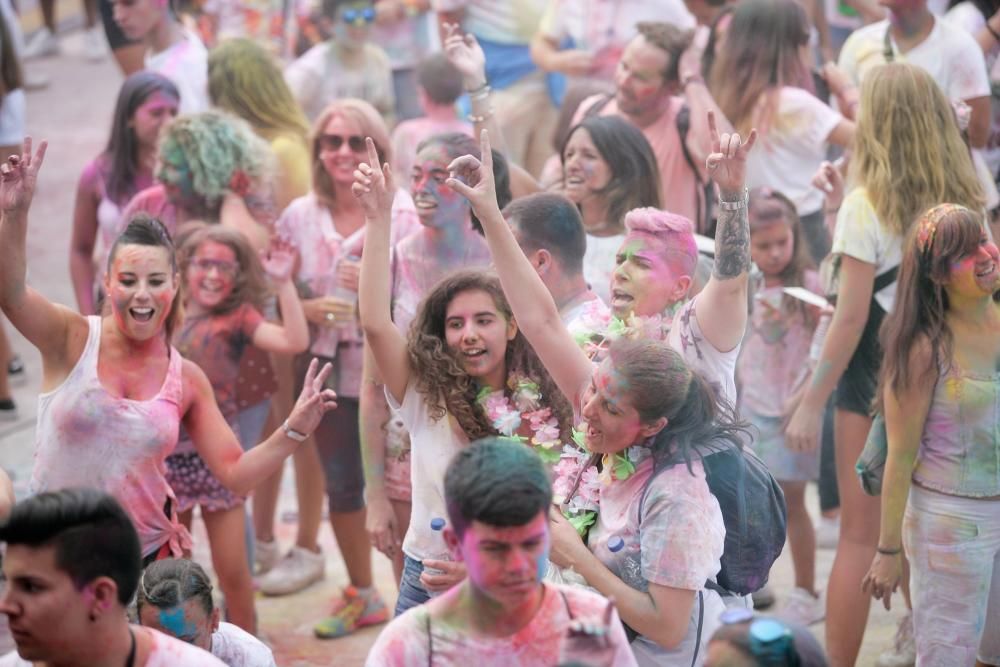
73	114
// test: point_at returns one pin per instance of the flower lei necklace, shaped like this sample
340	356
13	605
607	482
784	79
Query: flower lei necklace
597	327
508	413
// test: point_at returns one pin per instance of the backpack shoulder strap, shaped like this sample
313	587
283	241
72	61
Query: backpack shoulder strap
598	106
885	279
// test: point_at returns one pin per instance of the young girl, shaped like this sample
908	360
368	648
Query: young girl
775	350
223	289
146	102
463	345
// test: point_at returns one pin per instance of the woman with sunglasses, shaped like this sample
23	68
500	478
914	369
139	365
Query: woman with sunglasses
327	227
348	65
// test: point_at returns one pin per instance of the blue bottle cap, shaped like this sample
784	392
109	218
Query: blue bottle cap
616	544
437	523
768	630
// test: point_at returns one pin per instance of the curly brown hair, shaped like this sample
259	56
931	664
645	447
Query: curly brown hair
250	283
440	377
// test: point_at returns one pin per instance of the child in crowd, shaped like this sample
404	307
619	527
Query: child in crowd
775	351
175	597
224	286
440	85
172	50
346	65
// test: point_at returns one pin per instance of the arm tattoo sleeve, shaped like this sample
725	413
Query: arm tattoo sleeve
732	244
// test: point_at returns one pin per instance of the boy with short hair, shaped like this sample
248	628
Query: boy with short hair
498	496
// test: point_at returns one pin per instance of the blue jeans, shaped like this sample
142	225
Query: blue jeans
411	592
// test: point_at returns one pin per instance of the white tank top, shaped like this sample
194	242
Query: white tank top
87	437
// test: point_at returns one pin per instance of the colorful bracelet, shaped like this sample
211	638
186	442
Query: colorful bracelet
889	552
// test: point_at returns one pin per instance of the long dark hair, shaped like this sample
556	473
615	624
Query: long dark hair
662	385
635	174
941	237
122	151
11	76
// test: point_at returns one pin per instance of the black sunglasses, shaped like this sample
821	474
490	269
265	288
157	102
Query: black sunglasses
333	142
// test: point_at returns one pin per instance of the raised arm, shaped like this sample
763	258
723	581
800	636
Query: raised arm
533	305
292	335
42	322
374	189
467	56
81	247
722	305
215	441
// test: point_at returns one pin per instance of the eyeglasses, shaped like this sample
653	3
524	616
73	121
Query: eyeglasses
333	142
224	268
358	17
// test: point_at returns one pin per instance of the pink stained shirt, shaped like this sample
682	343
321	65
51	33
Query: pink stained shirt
87	437
165	651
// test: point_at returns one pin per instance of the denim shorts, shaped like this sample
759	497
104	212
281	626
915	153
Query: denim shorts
411	591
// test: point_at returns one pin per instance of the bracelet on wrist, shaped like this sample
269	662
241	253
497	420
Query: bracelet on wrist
478	89
889	552
740	202
691	78
483	118
297	436
481	96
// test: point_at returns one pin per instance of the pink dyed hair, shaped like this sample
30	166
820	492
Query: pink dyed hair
675	232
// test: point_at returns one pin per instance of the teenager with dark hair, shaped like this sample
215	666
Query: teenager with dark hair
72	565
498	495
175	597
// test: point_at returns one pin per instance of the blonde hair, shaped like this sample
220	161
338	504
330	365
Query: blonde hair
909	153
371	124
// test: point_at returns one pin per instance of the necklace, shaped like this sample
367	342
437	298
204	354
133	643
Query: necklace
522	407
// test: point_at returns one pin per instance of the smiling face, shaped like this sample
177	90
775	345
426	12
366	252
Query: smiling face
585	171
438	206
976	274
211	274
771	247
612	423
639	84
477	333
141	286
150	117
645	282
48	616
342	149
505	564
187	622
138	18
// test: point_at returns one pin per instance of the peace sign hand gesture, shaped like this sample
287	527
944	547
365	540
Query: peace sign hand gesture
473	179
727	162
373	187
314	401
18	177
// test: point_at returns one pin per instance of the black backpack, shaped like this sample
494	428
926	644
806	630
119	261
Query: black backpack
753	510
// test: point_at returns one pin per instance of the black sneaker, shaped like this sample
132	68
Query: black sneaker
8	410
15	371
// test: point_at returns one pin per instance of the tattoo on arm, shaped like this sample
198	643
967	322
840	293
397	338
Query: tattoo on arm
732	244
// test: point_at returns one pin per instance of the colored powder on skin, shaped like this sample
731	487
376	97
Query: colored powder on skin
173	621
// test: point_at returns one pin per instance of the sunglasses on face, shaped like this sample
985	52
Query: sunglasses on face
358	17
206	265
333	142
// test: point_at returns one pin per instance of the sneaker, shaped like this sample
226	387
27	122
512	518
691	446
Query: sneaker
8	410
266	555
33	80
828	532
297	570
904	650
41	44
94	48
351	612
802	607
764	598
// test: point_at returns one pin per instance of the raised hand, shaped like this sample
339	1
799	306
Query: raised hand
830	180
373	186
466	55
278	259
727	162
18	177
472	178
314	401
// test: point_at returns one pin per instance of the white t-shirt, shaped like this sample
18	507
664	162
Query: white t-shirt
238	648
433	444
860	235
717	367
186	65
793	148
950	55
599	263
543	642
166	652
320	77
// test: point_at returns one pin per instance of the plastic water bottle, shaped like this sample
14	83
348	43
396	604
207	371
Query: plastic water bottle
615	544
437	525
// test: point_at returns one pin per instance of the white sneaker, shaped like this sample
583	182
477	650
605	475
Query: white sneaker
94	48
297	570
802	607
42	43
904	650
764	598
828	532
266	555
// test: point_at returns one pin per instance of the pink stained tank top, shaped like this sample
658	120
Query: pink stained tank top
87	437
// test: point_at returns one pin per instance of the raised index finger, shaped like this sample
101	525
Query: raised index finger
40	154
372	155
485	150
713	131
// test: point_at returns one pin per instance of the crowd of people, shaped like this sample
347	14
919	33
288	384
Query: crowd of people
558	305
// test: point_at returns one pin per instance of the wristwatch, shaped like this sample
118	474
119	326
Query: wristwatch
297	436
